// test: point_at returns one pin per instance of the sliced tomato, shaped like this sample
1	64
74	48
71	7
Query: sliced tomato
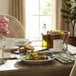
21	49
43	57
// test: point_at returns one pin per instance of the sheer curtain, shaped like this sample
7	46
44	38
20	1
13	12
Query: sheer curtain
58	14
65	26
60	21
17	9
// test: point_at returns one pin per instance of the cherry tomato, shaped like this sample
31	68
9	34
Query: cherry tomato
21	49
43	57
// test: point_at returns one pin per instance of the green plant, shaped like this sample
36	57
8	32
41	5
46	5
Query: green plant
69	13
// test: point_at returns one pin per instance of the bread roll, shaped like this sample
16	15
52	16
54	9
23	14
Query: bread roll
28	47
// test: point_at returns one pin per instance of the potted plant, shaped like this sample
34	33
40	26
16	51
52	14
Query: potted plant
69	14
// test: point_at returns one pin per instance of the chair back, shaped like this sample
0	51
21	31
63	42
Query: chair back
73	71
15	28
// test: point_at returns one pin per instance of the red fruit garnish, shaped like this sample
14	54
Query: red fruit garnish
22	49
43	57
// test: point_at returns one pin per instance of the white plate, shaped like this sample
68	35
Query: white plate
20	43
37	61
11	48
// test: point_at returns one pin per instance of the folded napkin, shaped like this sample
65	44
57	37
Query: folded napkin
8	55
72	49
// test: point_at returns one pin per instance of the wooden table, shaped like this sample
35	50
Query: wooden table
17	68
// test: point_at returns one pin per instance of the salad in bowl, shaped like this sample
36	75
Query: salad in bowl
36	58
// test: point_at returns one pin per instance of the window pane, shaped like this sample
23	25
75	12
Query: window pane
46	20
32	30
32	7
45	7
39	12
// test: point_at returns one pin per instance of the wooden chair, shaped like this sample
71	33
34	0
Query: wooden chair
73	71
15	28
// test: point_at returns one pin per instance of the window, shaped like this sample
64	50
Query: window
39	12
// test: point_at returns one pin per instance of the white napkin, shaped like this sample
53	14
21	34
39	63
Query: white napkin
10	43
72	49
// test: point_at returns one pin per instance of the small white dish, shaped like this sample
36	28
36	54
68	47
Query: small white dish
22	42
11	48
